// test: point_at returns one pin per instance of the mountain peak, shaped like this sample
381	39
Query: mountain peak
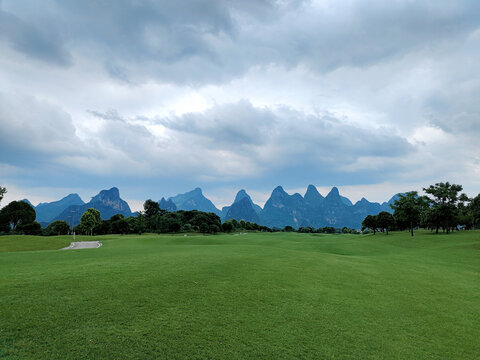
242	210
193	200
312	188
72	196
167	205
279	189
110	194
110	198
312	192
333	193
312	196
240	195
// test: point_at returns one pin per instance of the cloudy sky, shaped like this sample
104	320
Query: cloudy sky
158	97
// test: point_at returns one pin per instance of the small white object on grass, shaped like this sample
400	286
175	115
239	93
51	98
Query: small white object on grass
83	245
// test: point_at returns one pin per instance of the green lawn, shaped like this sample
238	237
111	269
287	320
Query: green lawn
255	296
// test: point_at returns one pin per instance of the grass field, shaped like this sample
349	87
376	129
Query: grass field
255	296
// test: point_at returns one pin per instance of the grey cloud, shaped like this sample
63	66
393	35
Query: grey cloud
403	64
33	41
311	140
235	140
201	42
281	136
230	125
33	131
362	33
117	133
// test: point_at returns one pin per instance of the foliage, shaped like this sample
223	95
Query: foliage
385	221
306	230
58	227
140	224
408	210
89	220
444	199
327	230
346	230
227	226
33	228
3	191
151	208
474	207
370	222
16	213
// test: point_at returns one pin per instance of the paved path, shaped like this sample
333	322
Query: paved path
83	245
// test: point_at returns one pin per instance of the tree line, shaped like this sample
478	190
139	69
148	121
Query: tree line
443	208
19	217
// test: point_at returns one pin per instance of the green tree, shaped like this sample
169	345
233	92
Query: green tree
120	226
58	227
151	208
445	198
408	210
169	223
213	229
242	224
474	207
3	191
227	226
140	224
33	228
204	228
370	222
90	218
385	221
17	213
152	213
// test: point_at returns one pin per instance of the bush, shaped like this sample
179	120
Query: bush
227	226
33	228
213	229
58	227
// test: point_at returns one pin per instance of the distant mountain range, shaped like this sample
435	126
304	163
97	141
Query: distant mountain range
48	211
194	200
280	210
71	207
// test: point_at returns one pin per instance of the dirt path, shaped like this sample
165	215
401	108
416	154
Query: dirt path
83	245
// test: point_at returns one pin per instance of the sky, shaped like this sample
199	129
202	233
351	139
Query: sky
159	97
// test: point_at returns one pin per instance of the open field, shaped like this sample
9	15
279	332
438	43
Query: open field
255	296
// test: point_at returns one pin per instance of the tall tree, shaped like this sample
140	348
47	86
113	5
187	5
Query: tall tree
16	213
385	221
370	222
475	209
445	198
58	227
3	191
408	209
90	218
151	208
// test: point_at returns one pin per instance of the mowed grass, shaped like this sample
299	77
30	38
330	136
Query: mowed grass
31	243
255	296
